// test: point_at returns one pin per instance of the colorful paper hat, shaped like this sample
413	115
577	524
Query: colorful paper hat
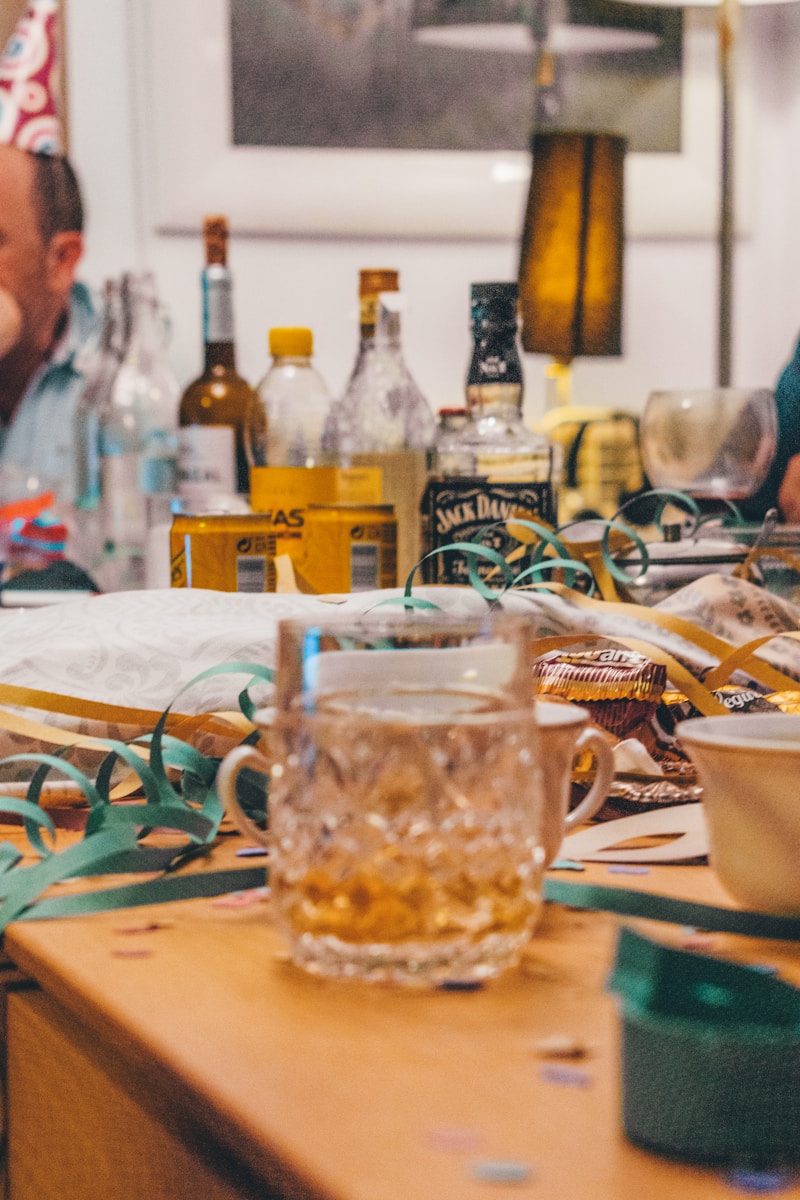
30	82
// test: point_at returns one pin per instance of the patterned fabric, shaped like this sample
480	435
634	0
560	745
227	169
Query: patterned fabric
30	82
140	648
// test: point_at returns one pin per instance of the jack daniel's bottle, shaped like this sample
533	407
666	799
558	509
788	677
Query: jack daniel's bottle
495	468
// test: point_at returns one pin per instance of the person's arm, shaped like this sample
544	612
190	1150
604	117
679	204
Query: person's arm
789	492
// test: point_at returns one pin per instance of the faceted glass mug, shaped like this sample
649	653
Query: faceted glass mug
408	823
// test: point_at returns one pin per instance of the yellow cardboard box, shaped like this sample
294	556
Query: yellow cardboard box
283	494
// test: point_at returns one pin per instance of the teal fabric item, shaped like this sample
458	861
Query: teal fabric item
39	440
710	1056
787	401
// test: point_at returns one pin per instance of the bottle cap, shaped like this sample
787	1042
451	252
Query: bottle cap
215	235
379	279
291	341
493	301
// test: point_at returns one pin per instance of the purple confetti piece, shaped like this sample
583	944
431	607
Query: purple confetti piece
626	869
566	1076
251	852
461	985
762	1182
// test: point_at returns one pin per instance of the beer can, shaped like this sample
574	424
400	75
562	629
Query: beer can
350	547
227	552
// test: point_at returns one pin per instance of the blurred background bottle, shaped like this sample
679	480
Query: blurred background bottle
215	409
137	438
383	419
495	441
493	467
288	421
100	368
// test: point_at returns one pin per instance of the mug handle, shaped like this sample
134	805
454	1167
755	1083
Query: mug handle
594	740
227	774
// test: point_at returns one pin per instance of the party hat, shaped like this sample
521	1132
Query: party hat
29	82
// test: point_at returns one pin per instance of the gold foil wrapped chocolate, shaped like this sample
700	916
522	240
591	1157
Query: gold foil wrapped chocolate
620	688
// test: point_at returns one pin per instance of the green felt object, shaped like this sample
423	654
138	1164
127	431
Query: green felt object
710	1056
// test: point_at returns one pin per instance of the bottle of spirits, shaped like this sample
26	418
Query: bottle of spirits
382	419
137	437
215	408
494	467
288	422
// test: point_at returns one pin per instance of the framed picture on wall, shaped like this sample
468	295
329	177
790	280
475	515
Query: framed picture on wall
410	118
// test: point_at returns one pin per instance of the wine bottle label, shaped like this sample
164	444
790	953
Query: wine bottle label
473	510
206	464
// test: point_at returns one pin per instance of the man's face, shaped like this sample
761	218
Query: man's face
37	274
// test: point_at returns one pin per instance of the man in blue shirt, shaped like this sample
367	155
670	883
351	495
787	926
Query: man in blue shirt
47	316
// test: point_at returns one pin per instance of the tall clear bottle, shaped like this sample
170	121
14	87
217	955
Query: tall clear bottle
294	401
86	537
215	409
494	467
137	439
383	419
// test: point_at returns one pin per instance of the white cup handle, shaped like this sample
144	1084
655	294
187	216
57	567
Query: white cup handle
594	740
228	773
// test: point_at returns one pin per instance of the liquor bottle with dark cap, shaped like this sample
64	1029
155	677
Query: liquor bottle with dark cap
495	466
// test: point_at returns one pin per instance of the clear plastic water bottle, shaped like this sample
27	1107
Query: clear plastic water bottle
294	405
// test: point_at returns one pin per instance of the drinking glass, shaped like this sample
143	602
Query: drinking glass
711	443
408	829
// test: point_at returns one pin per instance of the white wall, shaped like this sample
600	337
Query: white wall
670	286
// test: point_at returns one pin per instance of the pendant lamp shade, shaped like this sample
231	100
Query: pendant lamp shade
570	274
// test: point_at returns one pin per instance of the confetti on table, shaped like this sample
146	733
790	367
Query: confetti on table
144	927
450	1140
461	985
698	941
566	1076
561	1045
762	1182
627	869
241	899
251	852
566	864
502	1171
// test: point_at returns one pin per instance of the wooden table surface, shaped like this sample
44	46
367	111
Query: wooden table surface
346	1091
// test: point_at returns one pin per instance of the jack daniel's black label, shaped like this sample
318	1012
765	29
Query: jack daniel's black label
459	509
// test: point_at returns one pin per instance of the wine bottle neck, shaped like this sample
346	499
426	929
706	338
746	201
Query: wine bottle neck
217	306
220	354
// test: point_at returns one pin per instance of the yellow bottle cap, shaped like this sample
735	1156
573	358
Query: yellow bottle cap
291	341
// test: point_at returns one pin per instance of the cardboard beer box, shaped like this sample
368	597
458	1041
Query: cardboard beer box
283	495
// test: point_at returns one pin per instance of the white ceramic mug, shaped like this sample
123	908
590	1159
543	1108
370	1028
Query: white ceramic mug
749	767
